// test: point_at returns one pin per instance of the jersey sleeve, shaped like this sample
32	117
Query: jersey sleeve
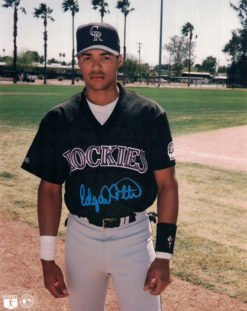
162	148
44	158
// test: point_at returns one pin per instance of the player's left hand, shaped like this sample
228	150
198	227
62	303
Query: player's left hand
158	276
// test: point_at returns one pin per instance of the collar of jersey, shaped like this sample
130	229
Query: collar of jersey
112	118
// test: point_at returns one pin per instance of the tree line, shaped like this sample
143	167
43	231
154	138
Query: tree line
181	51
180	47
45	13
236	48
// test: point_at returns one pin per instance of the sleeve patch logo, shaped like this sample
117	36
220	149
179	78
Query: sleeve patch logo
171	151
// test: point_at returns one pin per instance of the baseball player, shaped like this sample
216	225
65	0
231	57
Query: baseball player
114	151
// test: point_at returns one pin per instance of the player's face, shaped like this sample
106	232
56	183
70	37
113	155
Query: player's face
99	69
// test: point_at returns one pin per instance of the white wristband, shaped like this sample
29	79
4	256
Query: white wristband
163	255
47	247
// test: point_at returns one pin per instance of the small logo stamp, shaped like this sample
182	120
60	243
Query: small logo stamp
26	160
26	301
10	301
170	240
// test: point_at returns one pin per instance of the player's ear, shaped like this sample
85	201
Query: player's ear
119	60
78	58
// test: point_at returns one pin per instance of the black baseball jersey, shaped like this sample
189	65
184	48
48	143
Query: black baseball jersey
107	169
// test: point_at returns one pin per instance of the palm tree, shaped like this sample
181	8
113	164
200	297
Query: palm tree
73	7
44	12
187	30
124	7
101	5
14	4
61	55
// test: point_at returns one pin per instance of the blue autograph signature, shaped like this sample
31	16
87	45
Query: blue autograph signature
124	189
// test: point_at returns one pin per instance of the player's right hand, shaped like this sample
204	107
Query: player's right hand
53	279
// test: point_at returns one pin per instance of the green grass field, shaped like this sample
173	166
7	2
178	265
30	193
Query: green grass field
189	110
211	242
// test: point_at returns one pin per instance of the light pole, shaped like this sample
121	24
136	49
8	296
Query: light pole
169	68
139	52
102	11
160	52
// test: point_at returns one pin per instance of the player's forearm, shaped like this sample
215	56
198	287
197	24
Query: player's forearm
49	208
167	205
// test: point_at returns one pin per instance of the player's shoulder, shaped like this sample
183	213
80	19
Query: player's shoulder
67	110
69	106
141	104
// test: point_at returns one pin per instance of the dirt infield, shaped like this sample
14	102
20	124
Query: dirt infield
19	243
225	148
21	274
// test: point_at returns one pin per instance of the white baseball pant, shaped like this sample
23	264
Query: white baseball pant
93	254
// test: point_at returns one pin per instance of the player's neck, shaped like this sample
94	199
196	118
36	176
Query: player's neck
102	97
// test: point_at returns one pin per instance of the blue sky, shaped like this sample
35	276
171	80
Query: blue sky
213	21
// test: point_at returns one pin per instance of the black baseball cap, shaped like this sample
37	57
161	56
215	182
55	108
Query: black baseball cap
97	36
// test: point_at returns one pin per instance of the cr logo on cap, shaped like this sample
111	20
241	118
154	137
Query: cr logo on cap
95	33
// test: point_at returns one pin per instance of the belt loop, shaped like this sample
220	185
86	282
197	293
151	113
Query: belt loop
132	217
